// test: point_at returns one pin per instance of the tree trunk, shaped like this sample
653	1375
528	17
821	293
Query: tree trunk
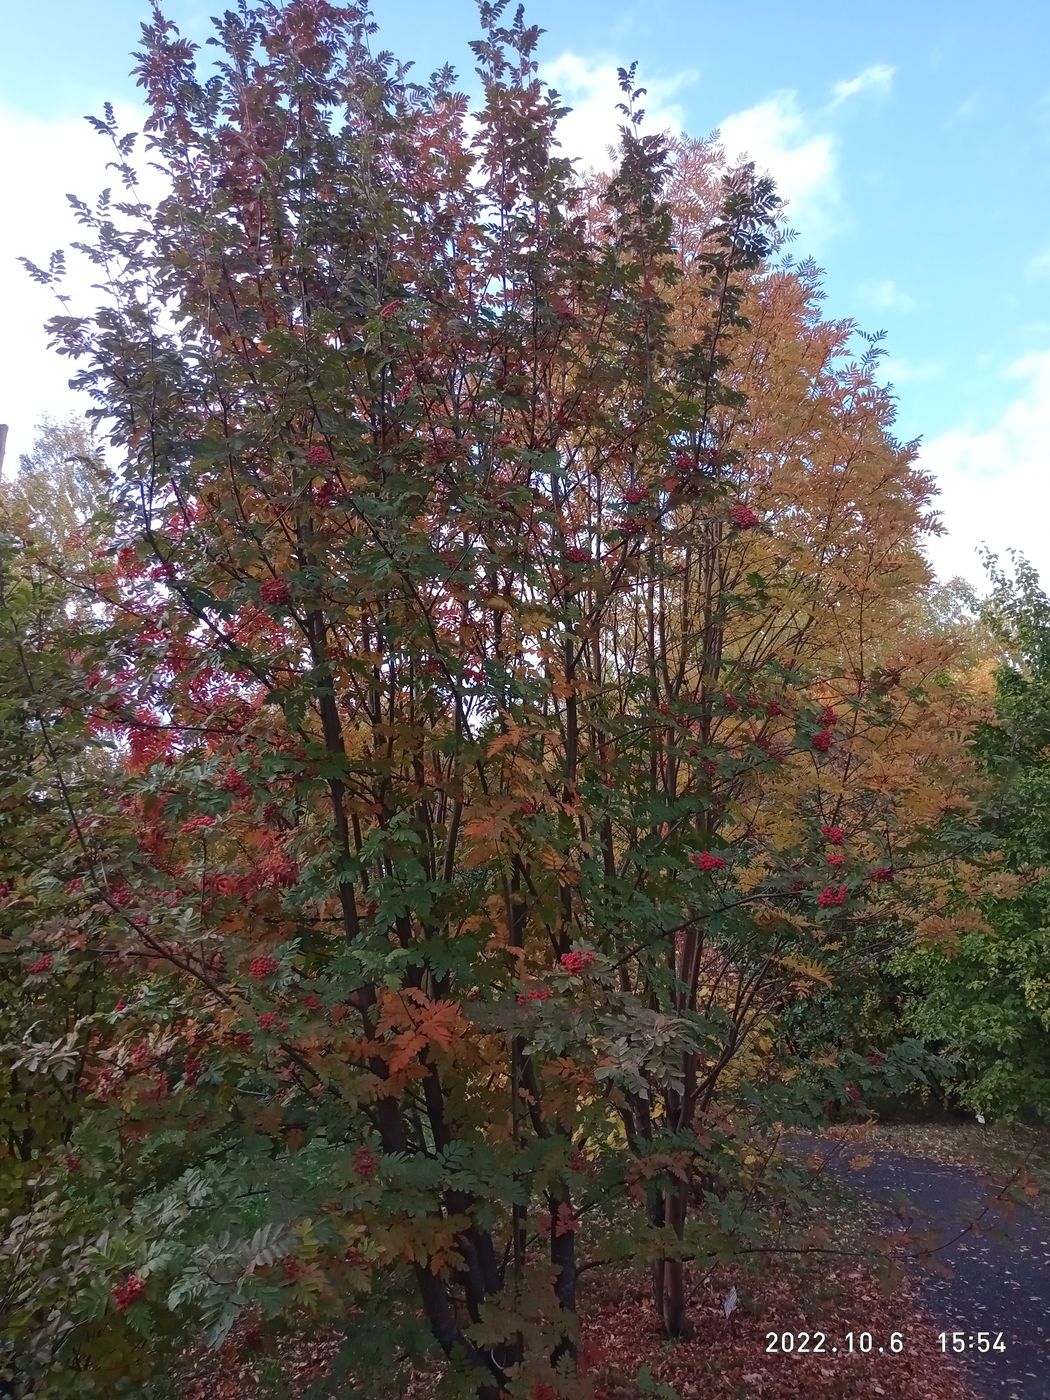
563	1257
670	1291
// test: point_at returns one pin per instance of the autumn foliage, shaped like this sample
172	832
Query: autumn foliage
496	714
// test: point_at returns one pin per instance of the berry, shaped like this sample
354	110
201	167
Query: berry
743	517
822	741
576	962
834	834
327	493
366	1163
262	967
831	895
704	860
883	874
275	591
42	964
318	456
126	1293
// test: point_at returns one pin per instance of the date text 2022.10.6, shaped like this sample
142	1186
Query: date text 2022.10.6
798	1343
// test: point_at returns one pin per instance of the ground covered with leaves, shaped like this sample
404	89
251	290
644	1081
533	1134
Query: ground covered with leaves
727	1358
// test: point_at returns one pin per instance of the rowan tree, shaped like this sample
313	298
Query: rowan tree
489	608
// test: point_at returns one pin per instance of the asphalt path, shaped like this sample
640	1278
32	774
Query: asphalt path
999	1273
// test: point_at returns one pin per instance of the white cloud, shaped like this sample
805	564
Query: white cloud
885	295
896	371
781	140
40	160
798	148
995	483
591	88
1038	266
876	78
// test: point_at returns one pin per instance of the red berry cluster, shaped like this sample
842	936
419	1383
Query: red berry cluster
366	1163
836	858
831	895
234	781
822	740
195	823
262	967
883	874
537	994
704	860
318	456
576	961
743	517
327	493
834	834
128	1292
42	964
636	495
275	591
576	554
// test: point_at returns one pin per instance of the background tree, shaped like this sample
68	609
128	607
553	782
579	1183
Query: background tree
984	999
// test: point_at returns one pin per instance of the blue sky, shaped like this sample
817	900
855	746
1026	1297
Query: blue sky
913	141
